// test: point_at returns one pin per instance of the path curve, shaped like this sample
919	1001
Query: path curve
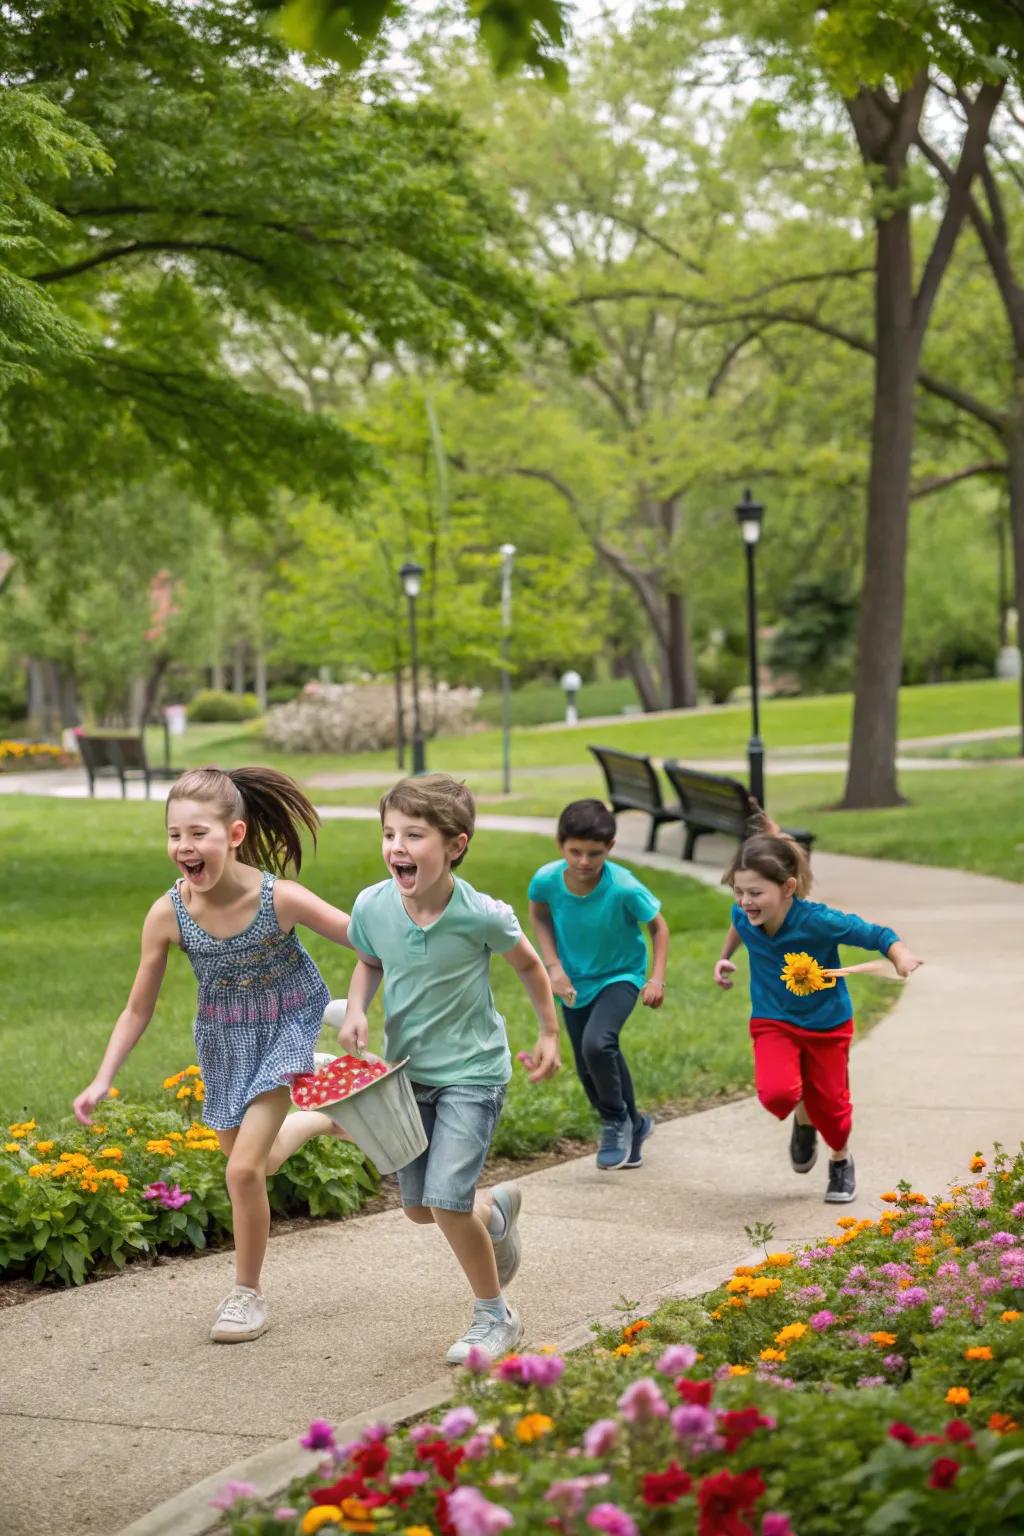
113	1393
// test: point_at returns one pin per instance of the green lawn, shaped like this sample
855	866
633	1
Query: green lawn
83	876
946	707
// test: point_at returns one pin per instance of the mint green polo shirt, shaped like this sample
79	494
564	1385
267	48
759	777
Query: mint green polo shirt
438	1006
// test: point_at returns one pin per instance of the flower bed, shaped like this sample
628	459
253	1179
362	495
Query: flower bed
15	756
871	1383
144	1180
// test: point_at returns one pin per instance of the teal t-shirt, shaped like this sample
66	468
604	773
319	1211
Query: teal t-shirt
438	1006
598	936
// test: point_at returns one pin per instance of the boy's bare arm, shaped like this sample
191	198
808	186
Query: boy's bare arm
545	1059
652	994
544	928
362	989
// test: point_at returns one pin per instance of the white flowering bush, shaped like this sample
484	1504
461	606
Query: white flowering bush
360	717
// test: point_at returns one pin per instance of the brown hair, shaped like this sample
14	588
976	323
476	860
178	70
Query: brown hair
775	857
439	800
271	804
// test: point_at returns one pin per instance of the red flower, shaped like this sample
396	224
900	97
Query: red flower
959	1429
666	1487
441	1515
723	1498
901	1431
944	1472
698	1392
740	1424
347	1487
371	1459
444	1456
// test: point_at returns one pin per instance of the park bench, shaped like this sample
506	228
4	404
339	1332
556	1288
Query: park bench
633	786
120	757
709	802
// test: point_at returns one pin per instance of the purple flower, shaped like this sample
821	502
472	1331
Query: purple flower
938	1316
473	1515
1018	1210
894	1362
642	1401
458	1422
981	1199
541	1370
692	1422
423	1432
805	1294
819	1321
285	1512
378	1431
406	1482
478	1362
676	1359
600	1437
1003	1239
913	1296
172	1199
990	1284
871	1381
776	1525
947	1270
856	1272
319	1436
231	1493
610	1519
571	1492
477	1447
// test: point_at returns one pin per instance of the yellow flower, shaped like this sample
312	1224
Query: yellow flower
175	1136
75	1159
716	1315
803	975
978	1352
113	1093
745	1269
765	1285
89	1185
114	1153
172	1082
883	1340
946	1205
739	1370
740	1283
958	1396
623	1350
791	1332
203	1146
773	1354
737	1301
498	1442
532	1426
185	1092
319	1515
192	1071
847	1221
98	1130
199	1093
22	1129
13	1146
40	1170
129	1130
161	1146
417	1530
632	1329
779	1260
356	1516
1011	1316
45	1146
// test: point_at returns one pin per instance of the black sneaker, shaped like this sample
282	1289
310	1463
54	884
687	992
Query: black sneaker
842	1182
643	1126
803	1147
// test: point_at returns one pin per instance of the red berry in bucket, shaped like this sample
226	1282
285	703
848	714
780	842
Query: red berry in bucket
335	1081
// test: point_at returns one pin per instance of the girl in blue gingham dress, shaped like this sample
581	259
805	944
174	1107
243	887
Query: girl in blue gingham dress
261	998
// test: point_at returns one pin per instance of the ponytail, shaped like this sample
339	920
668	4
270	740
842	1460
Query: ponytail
271	804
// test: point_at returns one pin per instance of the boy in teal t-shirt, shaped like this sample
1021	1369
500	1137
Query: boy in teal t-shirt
587	914
430	936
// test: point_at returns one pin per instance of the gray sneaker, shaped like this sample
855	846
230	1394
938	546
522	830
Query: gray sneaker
508	1248
242	1316
616	1141
495	1339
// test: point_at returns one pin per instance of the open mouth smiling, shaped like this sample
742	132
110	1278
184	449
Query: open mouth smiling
404	873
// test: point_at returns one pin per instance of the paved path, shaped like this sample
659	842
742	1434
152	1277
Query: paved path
113	1394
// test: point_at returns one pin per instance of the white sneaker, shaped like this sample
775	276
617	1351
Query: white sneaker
494	1338
508	1248
242	1316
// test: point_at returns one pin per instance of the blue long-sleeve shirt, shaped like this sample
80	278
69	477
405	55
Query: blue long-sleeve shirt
810	928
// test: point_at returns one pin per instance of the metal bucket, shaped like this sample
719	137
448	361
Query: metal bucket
383	1119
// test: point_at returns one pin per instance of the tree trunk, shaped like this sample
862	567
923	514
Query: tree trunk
1015	455
217	675
261	678
643	679
679	668
238	667
872	771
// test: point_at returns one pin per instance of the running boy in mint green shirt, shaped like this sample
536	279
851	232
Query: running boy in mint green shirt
588	915
430	936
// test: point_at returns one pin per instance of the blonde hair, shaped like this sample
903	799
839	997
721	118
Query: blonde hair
774	857
439	800
272	805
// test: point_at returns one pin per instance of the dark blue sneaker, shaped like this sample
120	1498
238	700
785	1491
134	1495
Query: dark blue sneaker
616	1138
643	1127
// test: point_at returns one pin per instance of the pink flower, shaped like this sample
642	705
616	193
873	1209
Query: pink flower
819	1321
776	1525
420	1432
379	1431
569	1494
478	1362
172	1199
600	1437
458	1423
938	1316
676	1359
473	1515
319	1436
612	1520
642	1401
285	1512
231	1493
691	1421
541	1370
1018	1210
406	1482
981	1199
477	1447
509	1369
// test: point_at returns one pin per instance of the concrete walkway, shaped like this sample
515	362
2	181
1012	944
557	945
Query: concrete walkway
112	1393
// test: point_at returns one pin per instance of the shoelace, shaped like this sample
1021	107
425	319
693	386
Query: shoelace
236	1307
478	1329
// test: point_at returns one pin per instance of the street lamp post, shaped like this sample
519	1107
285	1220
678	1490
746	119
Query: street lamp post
749	515
572	683
411	576
508	555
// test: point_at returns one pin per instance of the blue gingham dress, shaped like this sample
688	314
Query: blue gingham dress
260	1007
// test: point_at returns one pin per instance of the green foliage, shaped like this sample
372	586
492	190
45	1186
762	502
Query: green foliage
543	703
815	638
217	704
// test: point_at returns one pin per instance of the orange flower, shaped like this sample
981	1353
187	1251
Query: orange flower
958	1396
356	1516
978	1352
765	1285
978	1163
779	1260
114	1153
532	1426
891	1196
885	1340
622	1350
791	1332
740	1283
739	1370
1002	1424
632	1329
737	1301
773	1354
1011	1316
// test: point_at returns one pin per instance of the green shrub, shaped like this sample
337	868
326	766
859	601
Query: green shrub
216	704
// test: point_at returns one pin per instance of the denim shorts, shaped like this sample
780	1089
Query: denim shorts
459	1121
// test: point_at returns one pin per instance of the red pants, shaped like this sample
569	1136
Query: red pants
791	1064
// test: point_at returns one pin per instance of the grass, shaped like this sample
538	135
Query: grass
720	732
544	703
85	877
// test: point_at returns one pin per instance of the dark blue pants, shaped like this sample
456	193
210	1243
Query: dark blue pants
594	1033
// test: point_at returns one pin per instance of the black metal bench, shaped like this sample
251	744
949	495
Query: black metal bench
120	757
633	786
709	802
